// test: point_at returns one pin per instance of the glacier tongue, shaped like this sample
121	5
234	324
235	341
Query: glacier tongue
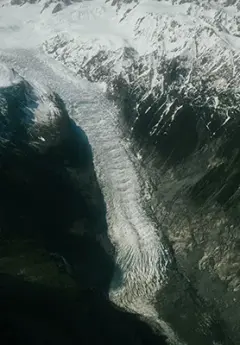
141	255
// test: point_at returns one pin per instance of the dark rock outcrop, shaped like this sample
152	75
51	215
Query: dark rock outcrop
58	5
22	2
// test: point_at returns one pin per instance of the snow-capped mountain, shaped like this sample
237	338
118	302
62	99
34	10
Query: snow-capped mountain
174	52
37	108
57	5
173	68
161	60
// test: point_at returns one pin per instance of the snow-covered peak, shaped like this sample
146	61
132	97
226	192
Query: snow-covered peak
29	107
186	52
166	53
54	5
8	77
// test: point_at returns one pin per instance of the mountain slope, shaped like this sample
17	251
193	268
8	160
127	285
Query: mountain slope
173	69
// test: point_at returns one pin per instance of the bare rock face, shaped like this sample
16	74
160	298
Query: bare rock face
57	8
55	5
22	2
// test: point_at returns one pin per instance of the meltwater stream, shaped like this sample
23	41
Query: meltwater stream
141	255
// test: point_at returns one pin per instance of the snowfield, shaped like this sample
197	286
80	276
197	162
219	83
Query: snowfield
184	50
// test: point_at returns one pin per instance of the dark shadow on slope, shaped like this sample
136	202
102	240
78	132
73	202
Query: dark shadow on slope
48	188
33	314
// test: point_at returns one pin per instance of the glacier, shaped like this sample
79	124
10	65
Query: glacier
51	210
150	63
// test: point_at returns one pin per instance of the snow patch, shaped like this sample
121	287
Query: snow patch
8	77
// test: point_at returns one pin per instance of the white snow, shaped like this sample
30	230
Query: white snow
8	77
101	42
